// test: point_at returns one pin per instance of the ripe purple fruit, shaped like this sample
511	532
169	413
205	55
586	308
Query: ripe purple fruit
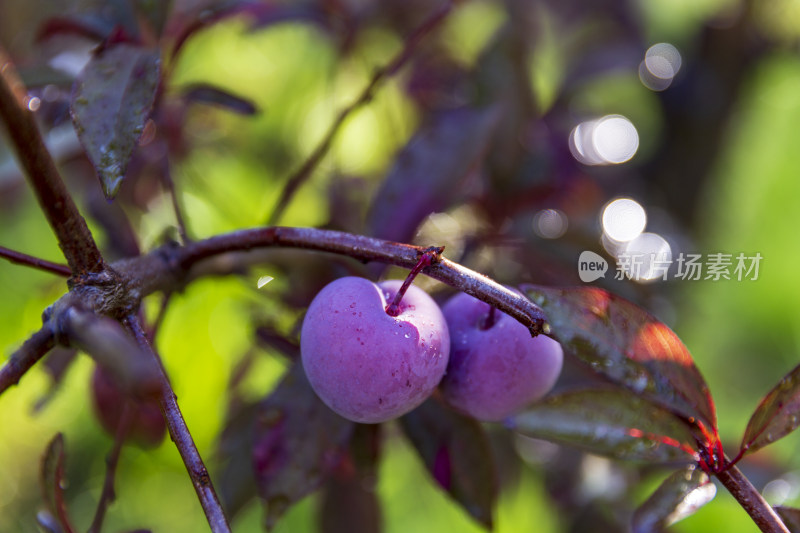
365	364
496	367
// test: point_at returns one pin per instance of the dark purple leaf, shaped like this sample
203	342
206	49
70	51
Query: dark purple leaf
613	422
776	416
431	172
350	505
208	94
113	21
207	13
349	501
790	517
456	451
365	449
628	345
273	13
678	497
270	338
298	441
156	12
236	481
111	101
52	482
89	26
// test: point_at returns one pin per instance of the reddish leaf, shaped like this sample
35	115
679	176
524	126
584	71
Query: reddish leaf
678	497
776	416
298	441
208	94
790	517
628	345
611	422
432	171
456	452
52	482
111	101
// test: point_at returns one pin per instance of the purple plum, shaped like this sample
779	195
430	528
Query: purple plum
363	363
496	368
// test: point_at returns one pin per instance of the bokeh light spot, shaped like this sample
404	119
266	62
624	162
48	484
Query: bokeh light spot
610	140
661	64
648	257
550	223
623	219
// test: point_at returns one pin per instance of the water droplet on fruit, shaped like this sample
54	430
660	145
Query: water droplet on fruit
407	336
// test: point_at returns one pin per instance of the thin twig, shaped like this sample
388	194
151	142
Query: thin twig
73	234
183	440
303	173
169	183
108	495
28	260
162	312
31	351
751	500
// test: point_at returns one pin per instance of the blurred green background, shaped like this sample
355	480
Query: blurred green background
743	335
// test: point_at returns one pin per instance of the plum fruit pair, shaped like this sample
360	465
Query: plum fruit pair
370	366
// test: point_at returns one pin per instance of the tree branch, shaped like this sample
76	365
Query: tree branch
302	174
28	260
751	500
73	234
26	356
168	268
183	440
108	495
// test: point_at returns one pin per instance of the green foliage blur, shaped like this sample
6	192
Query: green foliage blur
744	335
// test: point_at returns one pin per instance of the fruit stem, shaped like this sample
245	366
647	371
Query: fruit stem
427	257
490	319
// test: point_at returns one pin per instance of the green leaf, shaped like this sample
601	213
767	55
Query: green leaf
111	102
611	422
777	415
298	442
681	495
456	452
628	345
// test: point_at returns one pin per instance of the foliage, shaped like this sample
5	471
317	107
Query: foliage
174	124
